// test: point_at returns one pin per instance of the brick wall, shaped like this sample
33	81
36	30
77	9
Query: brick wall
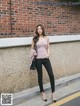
18	18
5	18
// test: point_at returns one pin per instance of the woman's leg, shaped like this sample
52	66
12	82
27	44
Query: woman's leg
40	78
40	75
48	67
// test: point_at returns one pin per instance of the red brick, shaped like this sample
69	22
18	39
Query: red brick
26	15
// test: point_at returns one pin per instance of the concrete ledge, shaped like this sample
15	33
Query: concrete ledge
35	91
24	41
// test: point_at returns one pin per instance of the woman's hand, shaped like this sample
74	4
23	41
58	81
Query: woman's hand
35	53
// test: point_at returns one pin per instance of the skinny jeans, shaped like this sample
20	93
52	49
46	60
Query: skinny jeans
47	64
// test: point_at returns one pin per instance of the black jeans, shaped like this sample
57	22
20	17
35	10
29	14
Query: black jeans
48	67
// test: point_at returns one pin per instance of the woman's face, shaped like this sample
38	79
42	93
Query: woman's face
39	29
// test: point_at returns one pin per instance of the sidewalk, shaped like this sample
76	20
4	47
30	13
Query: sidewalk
31	97
64	87
37	101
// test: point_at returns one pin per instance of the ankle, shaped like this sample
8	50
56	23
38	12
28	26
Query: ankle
53	95
44	98
43	94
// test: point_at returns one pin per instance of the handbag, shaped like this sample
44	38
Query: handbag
33	64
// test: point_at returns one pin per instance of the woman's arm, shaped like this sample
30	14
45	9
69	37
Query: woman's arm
48	50
32	45
32	52
48	47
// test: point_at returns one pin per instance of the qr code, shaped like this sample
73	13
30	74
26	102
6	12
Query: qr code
6	99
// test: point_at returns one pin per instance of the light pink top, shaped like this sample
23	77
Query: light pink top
42	46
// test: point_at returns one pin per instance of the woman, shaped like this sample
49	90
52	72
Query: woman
41	43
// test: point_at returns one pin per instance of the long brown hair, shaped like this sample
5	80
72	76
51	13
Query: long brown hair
36	37
42	27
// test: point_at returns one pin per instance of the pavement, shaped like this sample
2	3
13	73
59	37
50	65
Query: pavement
65	87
